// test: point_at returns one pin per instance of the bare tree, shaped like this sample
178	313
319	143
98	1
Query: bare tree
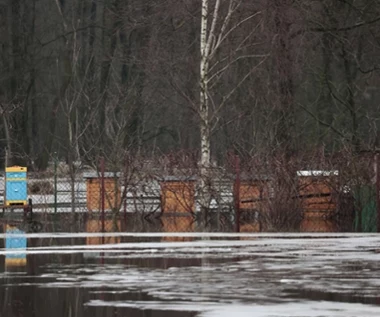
219	23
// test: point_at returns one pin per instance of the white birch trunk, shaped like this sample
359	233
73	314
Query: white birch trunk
215	29
204	107
7	138
204	115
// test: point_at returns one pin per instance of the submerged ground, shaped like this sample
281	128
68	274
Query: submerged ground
262	275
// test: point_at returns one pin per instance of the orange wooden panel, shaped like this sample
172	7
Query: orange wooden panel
95	225
316	185
317	214
253	226
319	203
178	196
251	194
321	207
319	200
111	190
316	222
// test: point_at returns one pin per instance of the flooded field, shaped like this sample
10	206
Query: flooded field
205	275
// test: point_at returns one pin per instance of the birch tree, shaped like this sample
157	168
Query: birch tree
220	22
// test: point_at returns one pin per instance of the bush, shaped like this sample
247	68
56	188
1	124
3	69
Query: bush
42	187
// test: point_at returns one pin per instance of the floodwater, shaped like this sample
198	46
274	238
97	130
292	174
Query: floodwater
205	275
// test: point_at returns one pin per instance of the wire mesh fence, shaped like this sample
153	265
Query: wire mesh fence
174	194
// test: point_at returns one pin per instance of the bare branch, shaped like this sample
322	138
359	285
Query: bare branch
211	34
220	71
330	126
228	96
222	37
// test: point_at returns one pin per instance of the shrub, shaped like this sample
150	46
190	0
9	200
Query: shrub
42	187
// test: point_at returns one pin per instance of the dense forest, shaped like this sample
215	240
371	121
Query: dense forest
86	77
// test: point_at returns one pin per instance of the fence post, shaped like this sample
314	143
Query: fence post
102	191
237	193
55	181
378	190
6	161
125	191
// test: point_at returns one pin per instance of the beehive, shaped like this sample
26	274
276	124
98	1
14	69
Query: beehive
178	206
317	193
16	191
178	196
253	194
112	192
318	200
253	201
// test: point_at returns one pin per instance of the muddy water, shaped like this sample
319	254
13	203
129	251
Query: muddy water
35	289
265	276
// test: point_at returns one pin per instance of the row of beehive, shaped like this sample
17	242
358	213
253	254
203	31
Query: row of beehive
316	197
178	197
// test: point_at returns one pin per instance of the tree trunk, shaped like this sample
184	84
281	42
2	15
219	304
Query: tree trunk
106	66
325	111
204	118
285	134
7	138
351	100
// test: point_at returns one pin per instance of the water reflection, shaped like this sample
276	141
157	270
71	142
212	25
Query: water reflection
65	285
181	222
15	241
318	222
95	226
318	295
33	301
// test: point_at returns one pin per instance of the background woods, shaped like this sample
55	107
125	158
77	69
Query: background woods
85	77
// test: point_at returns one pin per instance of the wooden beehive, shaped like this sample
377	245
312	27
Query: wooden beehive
178	206
16	189
318	201
178	196
317	194
112	192
253	200
253	194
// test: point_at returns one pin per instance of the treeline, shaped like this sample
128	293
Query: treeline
88	77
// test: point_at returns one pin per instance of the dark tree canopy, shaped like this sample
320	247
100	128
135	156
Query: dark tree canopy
85	77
